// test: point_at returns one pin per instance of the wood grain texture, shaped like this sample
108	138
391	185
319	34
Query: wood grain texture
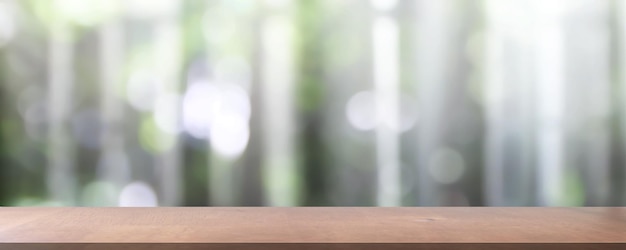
312	228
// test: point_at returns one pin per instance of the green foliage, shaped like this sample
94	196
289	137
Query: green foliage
310	55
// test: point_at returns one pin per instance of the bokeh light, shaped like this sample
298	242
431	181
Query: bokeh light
446	166
298	102
200	102
220	113
137	194
361	112
229	134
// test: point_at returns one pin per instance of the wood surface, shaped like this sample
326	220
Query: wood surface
313	228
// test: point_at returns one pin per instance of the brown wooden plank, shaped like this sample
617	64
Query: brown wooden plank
313	228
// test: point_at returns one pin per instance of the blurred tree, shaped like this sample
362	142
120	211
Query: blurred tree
310	100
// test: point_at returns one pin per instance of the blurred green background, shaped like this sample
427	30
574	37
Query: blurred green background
312	103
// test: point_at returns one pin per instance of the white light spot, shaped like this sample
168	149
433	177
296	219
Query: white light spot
229	135
219	112
384	5
360	111
205	104
200	105
142	90
446	166
137	194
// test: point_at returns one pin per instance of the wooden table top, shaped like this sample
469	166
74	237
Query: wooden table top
313	228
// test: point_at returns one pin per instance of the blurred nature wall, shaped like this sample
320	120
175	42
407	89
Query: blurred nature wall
312	102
